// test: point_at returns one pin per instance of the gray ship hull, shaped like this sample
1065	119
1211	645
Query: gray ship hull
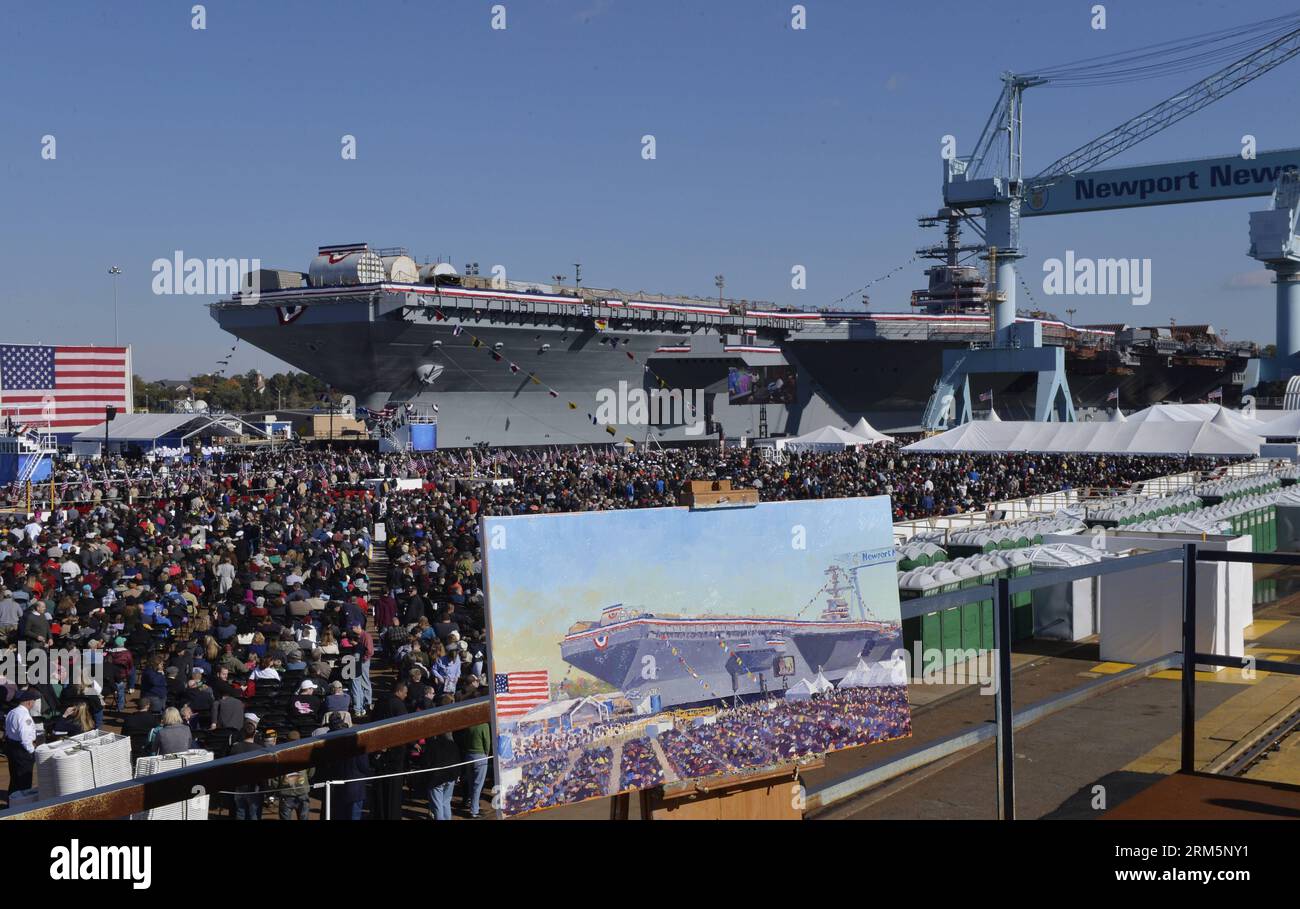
694	667
373	345
393	344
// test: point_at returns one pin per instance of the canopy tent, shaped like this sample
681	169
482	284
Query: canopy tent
1117	416
162	430
801	690
1216	414
1281	426
828	438
1154	437
822	684
870	433
875	675
993	416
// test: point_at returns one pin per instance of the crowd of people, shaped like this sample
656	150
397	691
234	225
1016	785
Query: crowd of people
209	595
589	777
639	766
752	736
213	591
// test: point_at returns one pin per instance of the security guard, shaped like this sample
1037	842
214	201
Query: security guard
20	741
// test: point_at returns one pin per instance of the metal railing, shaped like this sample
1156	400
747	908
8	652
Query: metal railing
1007	721
133	796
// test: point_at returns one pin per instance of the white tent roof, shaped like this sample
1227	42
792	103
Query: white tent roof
827	436
1155	437
873	675
1285	425
1117	416
867	431
821	683
1197	413
146	427
801	690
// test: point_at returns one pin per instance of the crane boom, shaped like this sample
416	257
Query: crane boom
1171	110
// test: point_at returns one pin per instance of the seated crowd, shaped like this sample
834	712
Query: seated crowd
225	602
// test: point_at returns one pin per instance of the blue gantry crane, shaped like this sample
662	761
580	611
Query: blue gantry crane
988	185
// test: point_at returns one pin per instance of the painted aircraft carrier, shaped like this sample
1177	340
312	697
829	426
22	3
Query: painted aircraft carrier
705	658
503	361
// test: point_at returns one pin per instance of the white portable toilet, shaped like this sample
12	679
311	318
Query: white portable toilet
1066	611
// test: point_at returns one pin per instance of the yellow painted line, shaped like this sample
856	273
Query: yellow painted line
1261	627
1111	668
1227	676
1274	649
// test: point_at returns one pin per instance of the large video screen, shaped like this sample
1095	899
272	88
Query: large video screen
761	385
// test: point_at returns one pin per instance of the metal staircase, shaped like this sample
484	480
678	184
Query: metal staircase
936	409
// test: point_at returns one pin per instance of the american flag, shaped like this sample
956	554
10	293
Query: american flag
519	692
987	396
1113	396
63	388
1217	393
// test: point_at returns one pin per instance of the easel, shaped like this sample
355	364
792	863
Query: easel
773	794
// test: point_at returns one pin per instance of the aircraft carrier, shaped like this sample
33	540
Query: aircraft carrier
699	659
517	363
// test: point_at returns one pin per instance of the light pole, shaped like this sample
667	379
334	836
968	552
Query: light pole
114	271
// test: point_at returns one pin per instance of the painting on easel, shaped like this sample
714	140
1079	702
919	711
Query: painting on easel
639	648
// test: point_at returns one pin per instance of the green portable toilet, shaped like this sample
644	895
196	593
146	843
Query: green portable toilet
1022	608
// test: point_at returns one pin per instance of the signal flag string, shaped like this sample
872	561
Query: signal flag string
889	274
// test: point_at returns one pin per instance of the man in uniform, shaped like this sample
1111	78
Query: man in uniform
20	741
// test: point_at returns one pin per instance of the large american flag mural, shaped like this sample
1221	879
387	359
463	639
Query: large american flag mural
63	389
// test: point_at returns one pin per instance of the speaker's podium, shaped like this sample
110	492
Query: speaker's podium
717	494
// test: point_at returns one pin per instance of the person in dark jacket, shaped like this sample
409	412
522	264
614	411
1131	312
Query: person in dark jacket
228	713
387	805
441	751
346	800
153	685
248	798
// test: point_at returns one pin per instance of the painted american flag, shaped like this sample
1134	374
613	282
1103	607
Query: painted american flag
63	388
519	692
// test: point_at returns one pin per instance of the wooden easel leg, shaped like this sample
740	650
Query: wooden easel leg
620	806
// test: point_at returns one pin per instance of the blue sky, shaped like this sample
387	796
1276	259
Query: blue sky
554	570
522	147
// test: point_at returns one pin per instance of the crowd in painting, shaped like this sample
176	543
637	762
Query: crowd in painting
230	602
751	736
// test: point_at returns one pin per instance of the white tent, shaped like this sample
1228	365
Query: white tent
875	675
1283	426
993	416
828	438
822	684
801	690
870	433
1155	437
858	677
1117	416
1216	414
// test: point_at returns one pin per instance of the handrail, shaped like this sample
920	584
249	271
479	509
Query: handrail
123	799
